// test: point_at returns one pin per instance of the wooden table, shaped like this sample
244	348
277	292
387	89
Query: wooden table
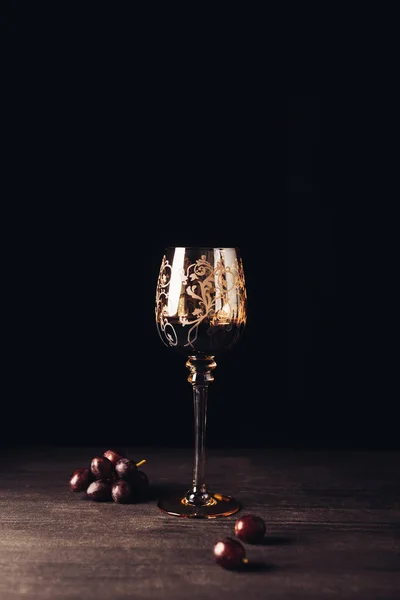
333	521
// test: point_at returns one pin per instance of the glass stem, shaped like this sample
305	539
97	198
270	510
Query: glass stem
200	395
200	377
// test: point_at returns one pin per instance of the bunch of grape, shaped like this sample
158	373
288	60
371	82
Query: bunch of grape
112	477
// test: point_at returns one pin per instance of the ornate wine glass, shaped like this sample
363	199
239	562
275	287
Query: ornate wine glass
200	312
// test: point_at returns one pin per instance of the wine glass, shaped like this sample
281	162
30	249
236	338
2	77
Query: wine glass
200	312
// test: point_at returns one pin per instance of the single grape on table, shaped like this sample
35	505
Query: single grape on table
230	553
250	529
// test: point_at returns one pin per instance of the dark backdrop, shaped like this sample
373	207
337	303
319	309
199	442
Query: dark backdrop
124	143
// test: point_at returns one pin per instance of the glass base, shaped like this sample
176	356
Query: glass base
217	506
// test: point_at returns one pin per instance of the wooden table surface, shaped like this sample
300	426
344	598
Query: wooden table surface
333	528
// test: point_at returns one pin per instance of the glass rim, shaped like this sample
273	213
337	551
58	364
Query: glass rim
202	248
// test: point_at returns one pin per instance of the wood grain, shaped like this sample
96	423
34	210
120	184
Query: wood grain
333	528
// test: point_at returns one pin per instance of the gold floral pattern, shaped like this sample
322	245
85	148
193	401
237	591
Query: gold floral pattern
211	295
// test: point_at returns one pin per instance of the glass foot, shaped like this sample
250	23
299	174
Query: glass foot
217	506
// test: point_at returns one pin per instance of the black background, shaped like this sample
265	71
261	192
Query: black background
127	138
